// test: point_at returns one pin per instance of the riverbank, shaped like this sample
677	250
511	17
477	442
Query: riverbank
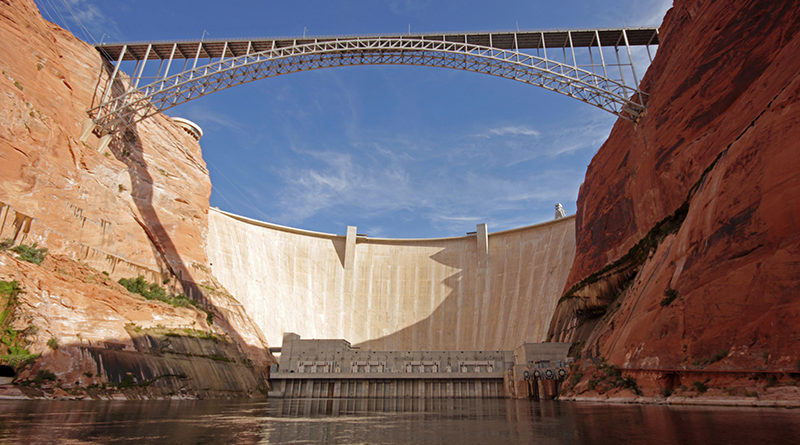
22	392
777	397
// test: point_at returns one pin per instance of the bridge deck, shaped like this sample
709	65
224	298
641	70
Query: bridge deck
502	40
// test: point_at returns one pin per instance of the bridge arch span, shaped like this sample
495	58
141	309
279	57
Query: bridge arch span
563	77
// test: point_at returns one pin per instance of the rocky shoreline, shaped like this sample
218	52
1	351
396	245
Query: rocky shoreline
791	401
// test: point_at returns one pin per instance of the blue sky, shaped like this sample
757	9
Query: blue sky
401	152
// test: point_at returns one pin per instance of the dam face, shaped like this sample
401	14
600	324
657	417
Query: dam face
478	292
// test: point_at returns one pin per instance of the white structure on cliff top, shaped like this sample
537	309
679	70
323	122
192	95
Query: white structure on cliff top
190	127
560	212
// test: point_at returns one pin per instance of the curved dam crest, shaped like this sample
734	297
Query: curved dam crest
490	292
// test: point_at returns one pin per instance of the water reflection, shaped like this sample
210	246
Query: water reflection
391	421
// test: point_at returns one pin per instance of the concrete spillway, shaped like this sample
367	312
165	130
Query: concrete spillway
480	292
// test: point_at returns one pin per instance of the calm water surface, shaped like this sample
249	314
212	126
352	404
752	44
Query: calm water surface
448	421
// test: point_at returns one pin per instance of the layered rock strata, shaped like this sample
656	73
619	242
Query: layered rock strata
138	207
96	338
687	225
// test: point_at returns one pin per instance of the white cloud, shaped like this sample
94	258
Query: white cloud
451	181
203	116
408	7
244	196
82	18
585	132
512	130
651	13
341	180
459	218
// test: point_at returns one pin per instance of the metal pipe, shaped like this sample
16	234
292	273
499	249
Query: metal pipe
630	59
602	58
619	62
183	71
160	65
544	48
196	57
111	81
169	63
649	42
572	48
591	60
144	62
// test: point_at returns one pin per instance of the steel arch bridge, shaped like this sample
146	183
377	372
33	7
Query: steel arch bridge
530	57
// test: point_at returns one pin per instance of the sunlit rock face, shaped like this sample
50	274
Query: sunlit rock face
688	242
138	207
97	338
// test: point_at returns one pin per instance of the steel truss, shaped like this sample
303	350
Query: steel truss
135	102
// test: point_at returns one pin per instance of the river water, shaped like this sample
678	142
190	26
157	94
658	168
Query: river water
405	421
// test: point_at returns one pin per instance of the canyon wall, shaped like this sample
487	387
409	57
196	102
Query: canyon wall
685	251
426	294
138	207
135	208
688	222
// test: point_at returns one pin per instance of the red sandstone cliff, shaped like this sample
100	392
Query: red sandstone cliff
138	207
688	223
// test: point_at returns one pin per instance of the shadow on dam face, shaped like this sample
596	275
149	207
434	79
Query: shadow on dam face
423	294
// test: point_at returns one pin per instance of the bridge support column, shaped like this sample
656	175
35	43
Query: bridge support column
111	80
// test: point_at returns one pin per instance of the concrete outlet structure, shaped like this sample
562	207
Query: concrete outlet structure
333	368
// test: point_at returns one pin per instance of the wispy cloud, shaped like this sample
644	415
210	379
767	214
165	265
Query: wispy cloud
634	13
451	181
512	130
339	180
519	144
459	219
651	13
243	197
82	18
585	134
408	7
205	117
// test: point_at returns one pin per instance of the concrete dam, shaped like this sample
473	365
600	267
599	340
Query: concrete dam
483	291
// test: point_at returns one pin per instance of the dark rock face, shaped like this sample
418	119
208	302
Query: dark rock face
714	162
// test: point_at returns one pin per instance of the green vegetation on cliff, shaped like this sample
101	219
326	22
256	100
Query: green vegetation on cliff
670	295
717	356
32	254
153	291
603	377
13	351
8	292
